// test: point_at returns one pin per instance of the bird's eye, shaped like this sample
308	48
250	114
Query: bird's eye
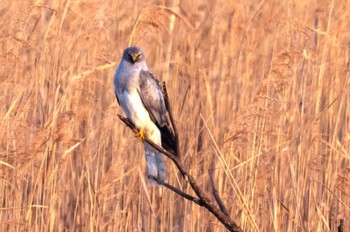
139	56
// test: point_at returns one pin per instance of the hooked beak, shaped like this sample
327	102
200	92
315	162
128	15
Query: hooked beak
133	57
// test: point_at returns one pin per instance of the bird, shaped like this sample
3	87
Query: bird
141	98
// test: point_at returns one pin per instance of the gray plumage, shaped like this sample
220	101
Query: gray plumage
142	100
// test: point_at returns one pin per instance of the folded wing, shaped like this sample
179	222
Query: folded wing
153	99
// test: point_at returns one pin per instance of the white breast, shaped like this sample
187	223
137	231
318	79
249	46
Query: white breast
135	110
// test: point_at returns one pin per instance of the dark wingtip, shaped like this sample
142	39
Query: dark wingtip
169	141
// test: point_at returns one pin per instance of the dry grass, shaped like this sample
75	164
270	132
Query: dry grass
260	93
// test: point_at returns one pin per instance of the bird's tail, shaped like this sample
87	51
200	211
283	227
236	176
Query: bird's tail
155	164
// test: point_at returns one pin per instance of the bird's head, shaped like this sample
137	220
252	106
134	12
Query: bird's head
133	55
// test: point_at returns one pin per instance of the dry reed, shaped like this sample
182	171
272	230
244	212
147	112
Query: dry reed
259	91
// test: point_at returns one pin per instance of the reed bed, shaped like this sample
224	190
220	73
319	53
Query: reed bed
259	91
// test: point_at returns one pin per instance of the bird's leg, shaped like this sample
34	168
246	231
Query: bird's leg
141	134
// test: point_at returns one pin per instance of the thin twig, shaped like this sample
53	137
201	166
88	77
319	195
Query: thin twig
216	195
177	191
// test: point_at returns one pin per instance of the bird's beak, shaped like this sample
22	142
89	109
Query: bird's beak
134	57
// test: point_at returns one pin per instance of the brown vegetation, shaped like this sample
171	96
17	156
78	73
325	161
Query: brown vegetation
259	91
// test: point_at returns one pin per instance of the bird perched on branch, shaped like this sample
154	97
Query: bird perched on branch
142	100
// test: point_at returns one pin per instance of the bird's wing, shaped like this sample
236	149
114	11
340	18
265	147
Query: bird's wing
116	95
153	99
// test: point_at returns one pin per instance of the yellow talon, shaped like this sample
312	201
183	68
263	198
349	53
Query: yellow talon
141	135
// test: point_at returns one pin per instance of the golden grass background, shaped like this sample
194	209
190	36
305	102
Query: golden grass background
259	91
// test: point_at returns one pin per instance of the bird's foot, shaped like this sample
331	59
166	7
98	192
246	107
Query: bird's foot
141	134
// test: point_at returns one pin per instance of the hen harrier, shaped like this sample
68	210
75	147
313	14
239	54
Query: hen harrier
142	100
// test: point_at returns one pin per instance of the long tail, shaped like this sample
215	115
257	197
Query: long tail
155	164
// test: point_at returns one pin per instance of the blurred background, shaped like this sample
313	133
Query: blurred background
259	91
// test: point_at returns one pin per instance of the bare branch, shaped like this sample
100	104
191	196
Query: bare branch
203	201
